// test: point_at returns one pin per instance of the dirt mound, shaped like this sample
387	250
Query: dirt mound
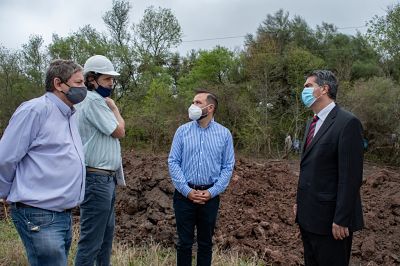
255	216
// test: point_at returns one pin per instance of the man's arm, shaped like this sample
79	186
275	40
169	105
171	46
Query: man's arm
119	132
350	163
227	164
14	144
174	164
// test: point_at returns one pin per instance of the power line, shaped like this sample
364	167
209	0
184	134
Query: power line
217	38
242	36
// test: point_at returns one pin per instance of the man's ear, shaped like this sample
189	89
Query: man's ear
57	84
213	107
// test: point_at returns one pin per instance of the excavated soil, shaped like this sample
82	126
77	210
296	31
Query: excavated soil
255	216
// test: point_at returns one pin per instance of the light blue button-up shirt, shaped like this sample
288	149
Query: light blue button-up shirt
41	156
201	156
96	123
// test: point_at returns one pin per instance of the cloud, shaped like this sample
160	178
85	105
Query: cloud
199	19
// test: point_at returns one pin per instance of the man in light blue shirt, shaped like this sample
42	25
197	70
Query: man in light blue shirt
200	163
42	165
101	126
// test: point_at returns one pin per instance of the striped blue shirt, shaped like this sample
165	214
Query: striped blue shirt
41	156
96	123
201	156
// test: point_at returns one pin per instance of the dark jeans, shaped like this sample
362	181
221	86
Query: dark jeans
46	234
97	221
324	250
189	215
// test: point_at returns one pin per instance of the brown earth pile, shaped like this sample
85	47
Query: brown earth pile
256	217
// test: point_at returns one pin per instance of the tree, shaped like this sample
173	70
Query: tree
156	33
15	87
276	27
384	35
80	45
365	99
35	60
117	22
213	67
384	32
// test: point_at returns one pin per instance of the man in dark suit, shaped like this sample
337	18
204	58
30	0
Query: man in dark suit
328	207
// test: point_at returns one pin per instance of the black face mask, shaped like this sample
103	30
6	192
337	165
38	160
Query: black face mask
75	94
103	91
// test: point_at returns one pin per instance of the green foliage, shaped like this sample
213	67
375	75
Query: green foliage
80	45
384	32
15	85
156	33
215	67
377	103
35	60
384	35
259	87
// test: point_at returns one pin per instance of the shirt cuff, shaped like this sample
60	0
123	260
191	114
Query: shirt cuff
186	190
213	191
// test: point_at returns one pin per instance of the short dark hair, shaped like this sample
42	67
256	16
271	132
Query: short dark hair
211	97
326	77
62	69
88	77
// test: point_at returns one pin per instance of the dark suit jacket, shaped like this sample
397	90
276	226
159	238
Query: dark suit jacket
331	170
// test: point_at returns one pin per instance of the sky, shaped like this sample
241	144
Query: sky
205	23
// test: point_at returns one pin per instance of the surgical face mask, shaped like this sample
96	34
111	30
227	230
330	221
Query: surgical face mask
75	94
196	113
103	91
307	96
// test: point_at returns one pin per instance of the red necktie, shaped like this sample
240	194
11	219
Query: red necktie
311	131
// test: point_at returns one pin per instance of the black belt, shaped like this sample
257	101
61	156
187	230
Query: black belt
200	187
23	205
99	171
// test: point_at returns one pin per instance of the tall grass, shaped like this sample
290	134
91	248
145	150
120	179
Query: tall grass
12	252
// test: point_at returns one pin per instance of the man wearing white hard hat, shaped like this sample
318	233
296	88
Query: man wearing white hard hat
100	126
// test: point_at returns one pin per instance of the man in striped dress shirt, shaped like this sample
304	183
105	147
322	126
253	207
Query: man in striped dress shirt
200	163
100	126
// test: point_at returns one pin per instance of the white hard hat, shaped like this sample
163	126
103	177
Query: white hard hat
99	64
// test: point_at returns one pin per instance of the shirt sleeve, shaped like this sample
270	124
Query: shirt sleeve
175	162
15	143
101	117
227	164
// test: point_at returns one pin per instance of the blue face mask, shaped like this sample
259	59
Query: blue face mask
103	91
75	94
307	96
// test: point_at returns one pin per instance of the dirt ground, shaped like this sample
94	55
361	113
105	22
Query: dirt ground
255	216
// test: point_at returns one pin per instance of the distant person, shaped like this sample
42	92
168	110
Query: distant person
288	144
365	143
101	126
200	163
42	166
328	207
296	145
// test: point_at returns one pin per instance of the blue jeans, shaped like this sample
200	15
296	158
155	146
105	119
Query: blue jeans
189	215
46	234
97	221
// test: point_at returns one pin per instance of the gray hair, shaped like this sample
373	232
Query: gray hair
62	69
326	77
